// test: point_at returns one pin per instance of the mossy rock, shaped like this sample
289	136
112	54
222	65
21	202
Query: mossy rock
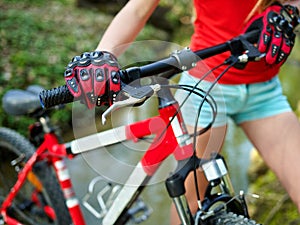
274	207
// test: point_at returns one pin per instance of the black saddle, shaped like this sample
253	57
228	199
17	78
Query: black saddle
18	102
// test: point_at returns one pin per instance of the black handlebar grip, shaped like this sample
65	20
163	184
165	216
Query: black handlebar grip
252	36
56	96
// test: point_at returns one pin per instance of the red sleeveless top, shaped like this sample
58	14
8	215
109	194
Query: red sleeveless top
216	22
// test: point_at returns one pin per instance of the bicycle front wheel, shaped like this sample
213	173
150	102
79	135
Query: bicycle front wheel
40	201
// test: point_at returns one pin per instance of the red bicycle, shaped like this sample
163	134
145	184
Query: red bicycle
35	186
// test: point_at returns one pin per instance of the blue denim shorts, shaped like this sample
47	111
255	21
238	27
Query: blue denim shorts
245	102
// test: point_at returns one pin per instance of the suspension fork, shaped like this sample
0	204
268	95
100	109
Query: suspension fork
176	189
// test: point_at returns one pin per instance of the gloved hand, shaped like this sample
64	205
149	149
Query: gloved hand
277	35
93	77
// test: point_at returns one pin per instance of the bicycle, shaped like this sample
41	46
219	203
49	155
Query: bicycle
35	184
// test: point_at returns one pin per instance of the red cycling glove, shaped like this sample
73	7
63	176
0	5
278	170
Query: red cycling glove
93	77
277	35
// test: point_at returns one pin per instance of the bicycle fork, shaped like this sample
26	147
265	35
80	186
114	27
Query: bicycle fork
214	168
215	172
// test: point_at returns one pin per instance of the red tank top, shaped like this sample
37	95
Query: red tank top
216	22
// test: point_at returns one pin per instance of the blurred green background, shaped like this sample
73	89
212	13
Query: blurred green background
38	38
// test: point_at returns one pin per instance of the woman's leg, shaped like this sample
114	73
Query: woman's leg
277	138
209	142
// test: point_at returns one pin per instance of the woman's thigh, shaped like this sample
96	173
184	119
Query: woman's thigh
277	138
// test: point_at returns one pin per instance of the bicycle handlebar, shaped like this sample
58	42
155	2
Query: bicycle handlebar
176	63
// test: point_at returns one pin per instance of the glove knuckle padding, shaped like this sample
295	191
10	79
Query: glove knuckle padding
94	78
277	36
274	48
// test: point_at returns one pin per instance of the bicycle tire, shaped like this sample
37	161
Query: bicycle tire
229	218
45	189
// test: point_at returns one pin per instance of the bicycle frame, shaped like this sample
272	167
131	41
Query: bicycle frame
171	137
54	152
167	141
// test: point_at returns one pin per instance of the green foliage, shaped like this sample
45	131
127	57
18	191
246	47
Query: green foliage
289	75
180	10
274	207
37	40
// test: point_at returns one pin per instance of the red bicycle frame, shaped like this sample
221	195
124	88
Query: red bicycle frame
167	129
171	137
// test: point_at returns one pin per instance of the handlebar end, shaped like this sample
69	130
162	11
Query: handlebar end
55	96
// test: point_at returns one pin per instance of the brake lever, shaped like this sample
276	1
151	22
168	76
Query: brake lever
135	95
244	51
252	53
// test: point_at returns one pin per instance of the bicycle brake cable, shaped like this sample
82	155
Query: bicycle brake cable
233	62
191	91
